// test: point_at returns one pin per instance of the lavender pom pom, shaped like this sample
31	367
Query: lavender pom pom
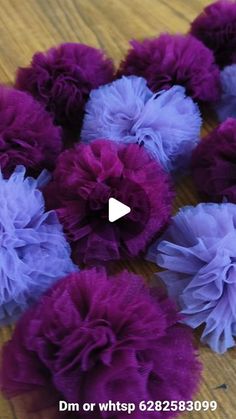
94	338
226	108
198	253
62	78
167	124
34	252
216	28
27	134
174	59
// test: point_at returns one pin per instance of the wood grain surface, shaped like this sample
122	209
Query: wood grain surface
30	25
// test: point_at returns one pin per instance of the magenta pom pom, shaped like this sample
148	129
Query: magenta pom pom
174	59
84	180
62	78
27	134
94	338
213	164
216	28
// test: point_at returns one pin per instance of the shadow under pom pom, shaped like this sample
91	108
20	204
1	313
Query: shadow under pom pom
34	252
94	338
27	134
62	78
84	180
174	59
214	163
166	124
198	253
216	28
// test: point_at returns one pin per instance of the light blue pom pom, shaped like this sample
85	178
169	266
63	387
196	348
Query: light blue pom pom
226	108
197	252
33	251
167	124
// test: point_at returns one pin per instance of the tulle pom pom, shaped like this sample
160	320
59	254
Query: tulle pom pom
62	78
84	180
216	28
34	252
95	338
167	124
213	163
174	59
198	253
226	107
27	134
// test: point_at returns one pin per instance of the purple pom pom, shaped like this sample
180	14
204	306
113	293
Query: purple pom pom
62	78
226	107
95	338
216	28
167	124
174	59
198	251
84	180
214	163
34	252
27	134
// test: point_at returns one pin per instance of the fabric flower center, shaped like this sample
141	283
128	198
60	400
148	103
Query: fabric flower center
97	344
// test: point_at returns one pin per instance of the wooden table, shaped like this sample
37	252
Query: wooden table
30	25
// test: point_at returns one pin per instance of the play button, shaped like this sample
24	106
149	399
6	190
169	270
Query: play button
117	209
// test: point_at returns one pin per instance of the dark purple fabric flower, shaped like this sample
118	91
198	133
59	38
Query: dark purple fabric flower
94	338
216	28
62	78
84	180
27	134
174	59
214	163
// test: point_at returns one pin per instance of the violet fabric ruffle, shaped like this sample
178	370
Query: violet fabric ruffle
216	28
62	78
84	180
198	254
33	251
27	134
170	60
167	124
94	338
214	163
226	108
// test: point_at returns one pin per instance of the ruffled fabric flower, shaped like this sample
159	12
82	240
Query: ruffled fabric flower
226	107
216	28
62	78
27	134
174	59
84	180
214	163
33	251
198	253
94	338
167	124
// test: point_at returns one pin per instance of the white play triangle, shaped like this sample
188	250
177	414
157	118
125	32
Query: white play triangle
117	209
